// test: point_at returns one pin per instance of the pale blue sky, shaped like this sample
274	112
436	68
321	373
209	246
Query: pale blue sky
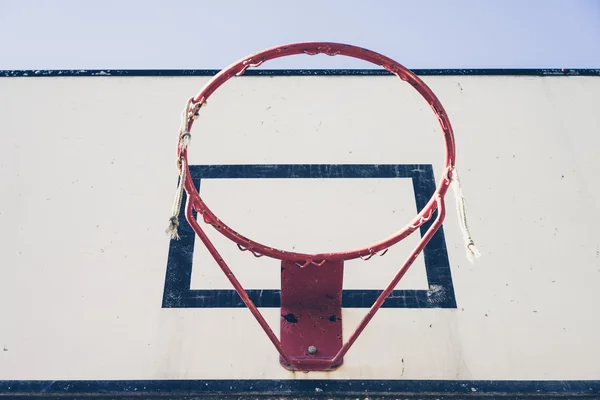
201	34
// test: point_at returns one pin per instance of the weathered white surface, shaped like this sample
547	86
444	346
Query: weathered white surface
87	168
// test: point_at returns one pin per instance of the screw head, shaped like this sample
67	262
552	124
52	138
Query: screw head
312	349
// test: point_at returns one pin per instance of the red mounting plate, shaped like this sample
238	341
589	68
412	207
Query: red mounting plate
311	315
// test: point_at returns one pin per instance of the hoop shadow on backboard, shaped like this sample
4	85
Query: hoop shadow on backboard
177	289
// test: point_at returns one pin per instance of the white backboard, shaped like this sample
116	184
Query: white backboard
95	298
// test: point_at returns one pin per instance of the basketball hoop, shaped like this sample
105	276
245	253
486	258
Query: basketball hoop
311	289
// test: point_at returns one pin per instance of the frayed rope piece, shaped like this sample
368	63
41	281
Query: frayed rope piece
186	136
472	251
172	229
189	112
174	220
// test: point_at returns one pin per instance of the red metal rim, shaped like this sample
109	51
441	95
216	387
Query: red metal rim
331	49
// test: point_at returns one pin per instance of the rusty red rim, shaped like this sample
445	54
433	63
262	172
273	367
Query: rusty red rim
331	49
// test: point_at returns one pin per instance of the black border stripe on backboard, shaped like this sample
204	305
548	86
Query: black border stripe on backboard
299	72
304	388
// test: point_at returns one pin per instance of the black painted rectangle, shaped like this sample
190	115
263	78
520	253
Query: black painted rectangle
178	292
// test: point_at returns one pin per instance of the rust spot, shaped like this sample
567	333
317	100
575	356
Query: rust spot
291	318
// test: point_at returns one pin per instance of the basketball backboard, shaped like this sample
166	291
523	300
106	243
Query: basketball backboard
97	300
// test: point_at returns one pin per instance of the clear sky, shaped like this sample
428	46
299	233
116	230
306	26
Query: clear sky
202	34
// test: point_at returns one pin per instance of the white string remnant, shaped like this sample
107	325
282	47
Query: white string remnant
186	136
189	112
174	220
472	251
